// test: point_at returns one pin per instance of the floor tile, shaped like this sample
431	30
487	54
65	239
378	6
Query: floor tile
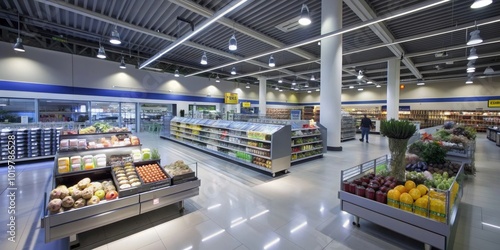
158	245
306	236
135	241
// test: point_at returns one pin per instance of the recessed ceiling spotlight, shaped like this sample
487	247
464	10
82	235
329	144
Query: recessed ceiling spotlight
480	3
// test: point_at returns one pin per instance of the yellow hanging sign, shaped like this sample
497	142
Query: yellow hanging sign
493	103
246	104
231	98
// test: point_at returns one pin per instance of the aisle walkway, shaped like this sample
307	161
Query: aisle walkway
241	209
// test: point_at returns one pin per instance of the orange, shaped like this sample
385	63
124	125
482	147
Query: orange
423	189
415	193
400	188
409	185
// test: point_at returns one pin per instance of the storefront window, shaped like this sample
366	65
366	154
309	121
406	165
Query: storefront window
128	118
152	116
17	110
62	111
108	112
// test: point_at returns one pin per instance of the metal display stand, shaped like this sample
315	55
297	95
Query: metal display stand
493	134
347	128
72	222
231	140
430	232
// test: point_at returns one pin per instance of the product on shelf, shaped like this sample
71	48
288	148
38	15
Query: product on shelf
151	173
178	168
100	160
120	160
134	140
146	154
83	193
126	176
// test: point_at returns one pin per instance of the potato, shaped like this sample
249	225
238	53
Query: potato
87	193
54	205
68	202
83	183
55	194
79	203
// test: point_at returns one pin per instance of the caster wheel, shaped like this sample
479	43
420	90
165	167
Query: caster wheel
354	223
286	172
358	225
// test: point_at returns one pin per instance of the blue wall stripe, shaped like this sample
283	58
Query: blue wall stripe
57	89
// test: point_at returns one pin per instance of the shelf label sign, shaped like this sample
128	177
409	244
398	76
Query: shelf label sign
246	104
231	98
493	103
295	114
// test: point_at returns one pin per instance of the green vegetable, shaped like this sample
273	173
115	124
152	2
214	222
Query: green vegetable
397	129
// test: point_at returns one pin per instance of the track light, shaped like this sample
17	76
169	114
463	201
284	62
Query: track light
217	79
469	81
313	78
18	46
420	82
233	71
474	38
233	44
360	75
204	60
122	64
101	53
480	3
115	37
472	54
280	80
176	73
248	85
271	61
304	19
489	71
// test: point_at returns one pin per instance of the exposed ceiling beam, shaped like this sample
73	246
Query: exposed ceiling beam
365	12
126	25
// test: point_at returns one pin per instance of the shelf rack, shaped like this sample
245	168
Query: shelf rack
234	141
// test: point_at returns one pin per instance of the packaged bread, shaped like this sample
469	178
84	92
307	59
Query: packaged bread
63	161
63	169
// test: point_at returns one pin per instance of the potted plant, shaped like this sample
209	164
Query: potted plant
398	132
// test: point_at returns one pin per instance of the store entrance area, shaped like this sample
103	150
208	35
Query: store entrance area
240	208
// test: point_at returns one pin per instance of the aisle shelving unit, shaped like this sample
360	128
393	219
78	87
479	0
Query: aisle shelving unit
347	128
252	144
131	201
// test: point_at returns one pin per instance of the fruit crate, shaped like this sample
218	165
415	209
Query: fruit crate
178	179
153	185
437	232
124	192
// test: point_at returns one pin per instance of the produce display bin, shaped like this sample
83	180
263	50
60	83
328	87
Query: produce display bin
431	232
178	179
123	192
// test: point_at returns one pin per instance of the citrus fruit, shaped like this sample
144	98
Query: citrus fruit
409	185
400	188
423	189
406	202
415	193
393	198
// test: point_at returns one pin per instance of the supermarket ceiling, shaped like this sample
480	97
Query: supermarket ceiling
430	43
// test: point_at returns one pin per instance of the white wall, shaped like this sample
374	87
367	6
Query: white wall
56	68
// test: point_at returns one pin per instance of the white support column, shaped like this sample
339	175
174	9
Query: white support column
393	70
262	95
331	73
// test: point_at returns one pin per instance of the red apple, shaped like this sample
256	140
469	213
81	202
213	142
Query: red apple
364	184
393	185
111	195
384	189
373	185
381	197
352	188
360	190
345	186
357	181
365	179
370	193
387	183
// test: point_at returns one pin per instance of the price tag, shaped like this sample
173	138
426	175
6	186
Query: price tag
156	201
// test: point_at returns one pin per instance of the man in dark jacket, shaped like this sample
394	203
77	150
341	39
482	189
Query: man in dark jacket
366	124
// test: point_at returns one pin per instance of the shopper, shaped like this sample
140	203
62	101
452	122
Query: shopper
366	124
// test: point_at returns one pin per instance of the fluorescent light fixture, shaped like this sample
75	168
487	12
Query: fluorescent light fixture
272	63
305	18
238	223
101	53
313	78
233	71
489	70
298	227
122	64
396	14
360	75
351	87
214	206
490	225
480	3
217	79
360	89
228	8
18	46
204	59
378	86
176	74
115	37
280	80
233	44
259	214
270	244
213	235
469	81
472	54
474	38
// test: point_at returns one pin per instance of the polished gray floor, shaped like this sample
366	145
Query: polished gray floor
241	209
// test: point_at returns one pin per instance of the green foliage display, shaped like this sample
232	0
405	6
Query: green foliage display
397	129
429	151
